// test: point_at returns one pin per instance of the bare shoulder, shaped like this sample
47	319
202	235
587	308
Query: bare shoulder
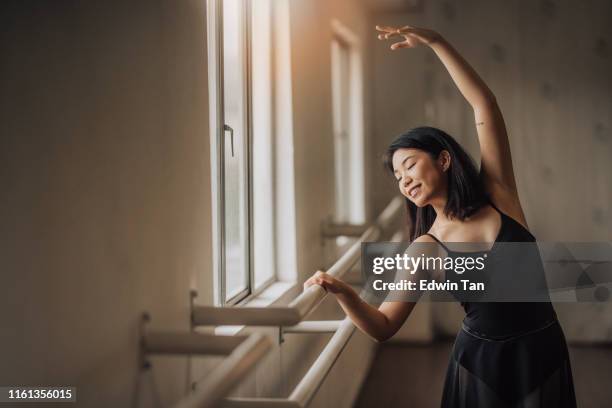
424	238
508	202
422	246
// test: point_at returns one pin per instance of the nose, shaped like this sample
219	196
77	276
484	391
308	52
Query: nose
407	180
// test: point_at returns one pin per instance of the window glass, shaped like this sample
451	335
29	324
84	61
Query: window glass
263	146
341	76
235	214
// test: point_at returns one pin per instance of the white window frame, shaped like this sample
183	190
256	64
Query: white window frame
217	154
355	211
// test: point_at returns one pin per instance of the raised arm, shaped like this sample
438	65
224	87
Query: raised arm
496	166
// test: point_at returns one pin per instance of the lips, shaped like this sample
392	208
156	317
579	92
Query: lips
414	191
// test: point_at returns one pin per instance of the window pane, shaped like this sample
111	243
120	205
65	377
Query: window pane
235	111
341	110
263	193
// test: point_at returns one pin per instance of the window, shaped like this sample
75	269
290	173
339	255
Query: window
348	125
244	120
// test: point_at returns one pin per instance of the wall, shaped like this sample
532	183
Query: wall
547	63
104	190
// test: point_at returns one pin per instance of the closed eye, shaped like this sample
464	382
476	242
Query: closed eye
411	166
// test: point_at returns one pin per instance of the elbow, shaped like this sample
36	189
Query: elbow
385	331
487	100
481	99
381	338
485	104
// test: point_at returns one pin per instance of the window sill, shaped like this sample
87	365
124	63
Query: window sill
277	294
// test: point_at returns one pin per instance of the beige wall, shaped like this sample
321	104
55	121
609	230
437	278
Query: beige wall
548	63
105	194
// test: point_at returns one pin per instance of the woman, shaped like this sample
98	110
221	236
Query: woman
507	354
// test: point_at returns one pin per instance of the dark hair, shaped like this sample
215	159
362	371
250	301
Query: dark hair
466	192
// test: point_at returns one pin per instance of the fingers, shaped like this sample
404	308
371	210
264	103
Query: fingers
318	278
403	44
321	278
315	281
395	30
321	282
386	28
406	29
388	35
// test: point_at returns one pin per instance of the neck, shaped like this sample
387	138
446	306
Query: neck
438	205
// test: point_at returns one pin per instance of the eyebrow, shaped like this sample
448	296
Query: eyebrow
402	163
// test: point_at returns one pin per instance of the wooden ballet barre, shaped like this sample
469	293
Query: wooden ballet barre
252	316
389	214
290	315
314	326
302	305
307	388
304	392
234	368
177	343
243	353
313	295
330	229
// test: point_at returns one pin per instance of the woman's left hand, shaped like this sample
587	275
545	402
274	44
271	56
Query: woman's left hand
413	36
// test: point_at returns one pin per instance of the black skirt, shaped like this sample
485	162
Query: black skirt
528	370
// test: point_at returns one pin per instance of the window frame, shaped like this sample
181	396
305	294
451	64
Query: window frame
356	210
217	154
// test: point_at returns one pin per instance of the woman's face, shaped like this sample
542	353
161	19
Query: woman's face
420	177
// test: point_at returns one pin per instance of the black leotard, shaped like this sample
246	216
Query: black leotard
509	354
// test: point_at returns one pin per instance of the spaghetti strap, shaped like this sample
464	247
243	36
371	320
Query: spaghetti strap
496	209
439	242
505	217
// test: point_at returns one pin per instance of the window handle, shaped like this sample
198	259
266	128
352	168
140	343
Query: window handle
227	128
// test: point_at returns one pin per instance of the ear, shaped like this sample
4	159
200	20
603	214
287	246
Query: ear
444	160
